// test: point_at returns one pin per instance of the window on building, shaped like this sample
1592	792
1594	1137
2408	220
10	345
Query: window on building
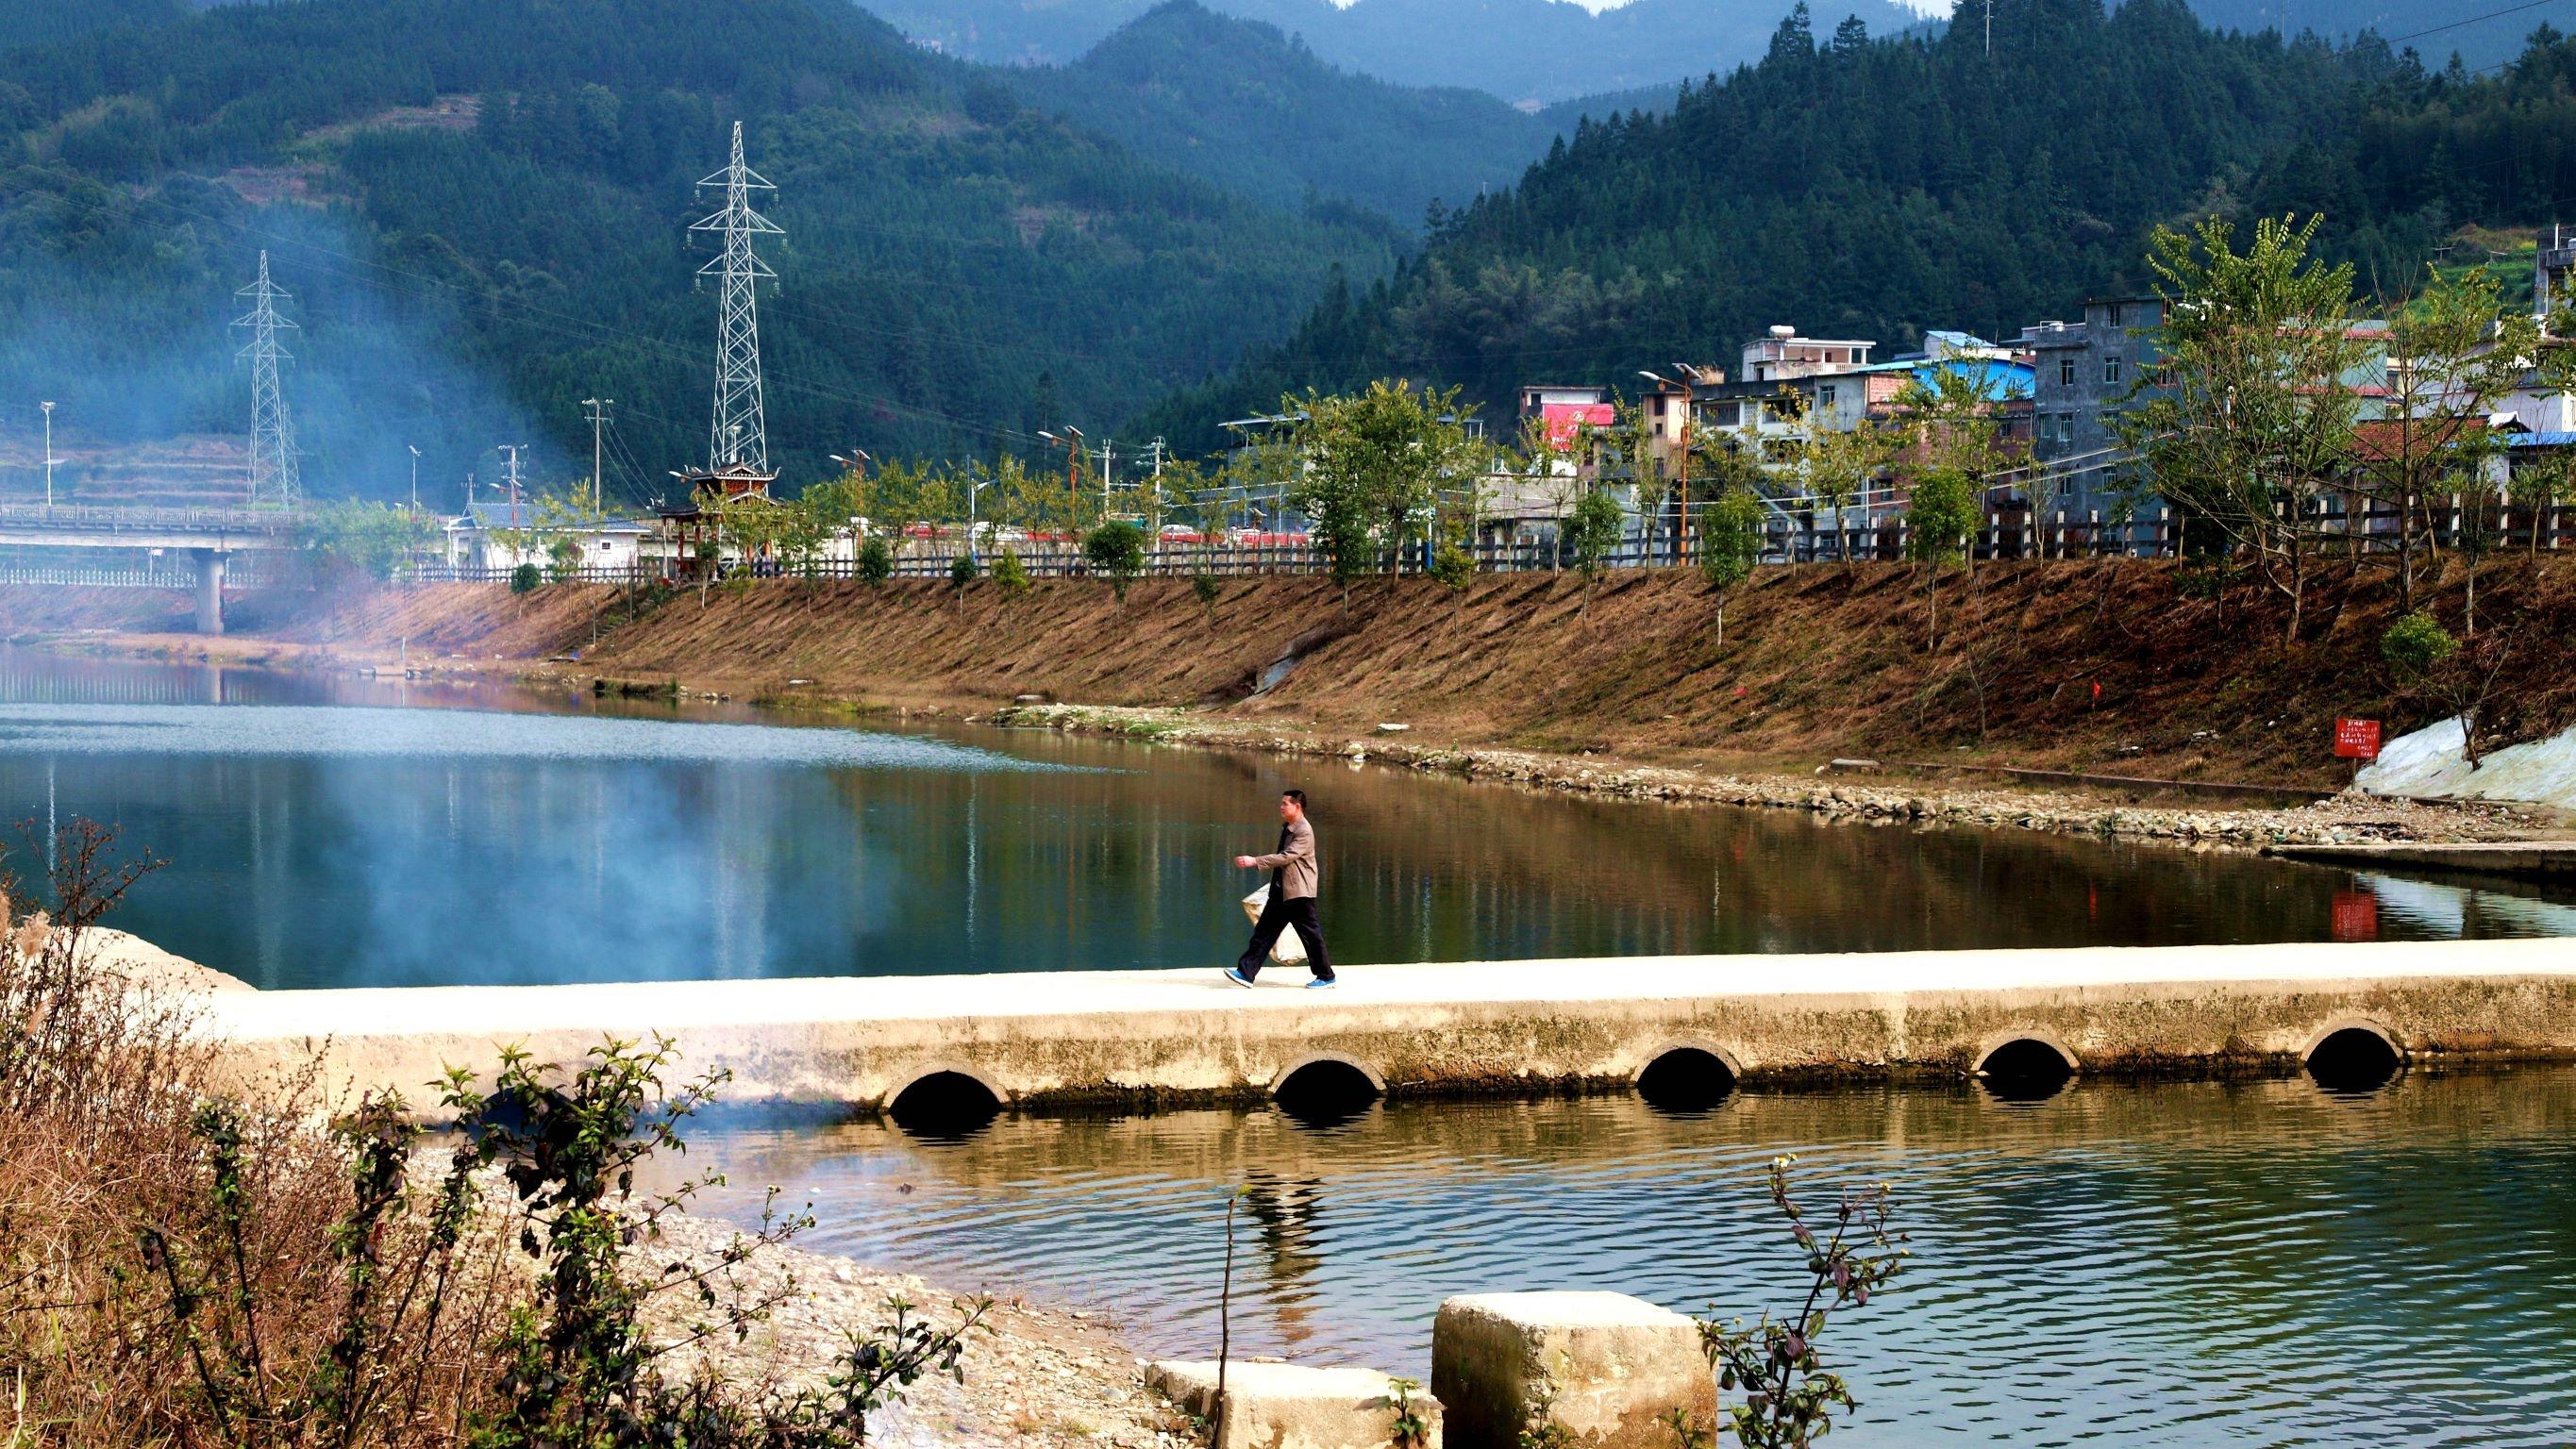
1727	415
2110	370
2115	314
1825	394
2066	372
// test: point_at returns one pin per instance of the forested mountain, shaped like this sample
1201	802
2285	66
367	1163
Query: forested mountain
1240	104
1871	189
1519	50
481	208
44	22
1551	50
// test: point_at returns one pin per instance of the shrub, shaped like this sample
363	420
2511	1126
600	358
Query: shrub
1730	544
1116	550
180	1267
1592	529
876	561
1940	515
2414	646
525	578
1453	566
1010	575
1789	1397
961	570
1205	586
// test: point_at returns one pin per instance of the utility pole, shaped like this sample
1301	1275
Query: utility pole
415	478
272	431
599	407
510	479
737	438
1158	491
49	456
1104	480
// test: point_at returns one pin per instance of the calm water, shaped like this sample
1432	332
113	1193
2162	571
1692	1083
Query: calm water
2167	1265
319	832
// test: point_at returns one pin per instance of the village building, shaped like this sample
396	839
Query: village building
2084	376
499	537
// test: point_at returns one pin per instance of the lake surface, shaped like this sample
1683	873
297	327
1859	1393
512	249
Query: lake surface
332	830
2186	1264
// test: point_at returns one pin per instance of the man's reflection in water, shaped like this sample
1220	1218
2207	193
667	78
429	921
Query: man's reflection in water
1284	1210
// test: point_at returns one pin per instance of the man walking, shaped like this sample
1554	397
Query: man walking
1293	874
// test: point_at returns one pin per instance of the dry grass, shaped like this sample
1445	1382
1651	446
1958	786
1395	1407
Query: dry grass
2130	666
181	1266
172	1272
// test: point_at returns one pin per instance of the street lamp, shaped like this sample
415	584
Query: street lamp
415	478
973	488
856	461
1681	518
49	455
1072	445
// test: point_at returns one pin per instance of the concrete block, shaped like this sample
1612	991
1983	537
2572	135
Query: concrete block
1619	1365
1284	1406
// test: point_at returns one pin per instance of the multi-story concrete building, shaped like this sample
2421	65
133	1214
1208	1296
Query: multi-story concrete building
2085	374
1781	354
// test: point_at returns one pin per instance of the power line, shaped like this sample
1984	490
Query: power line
2472	20
272	430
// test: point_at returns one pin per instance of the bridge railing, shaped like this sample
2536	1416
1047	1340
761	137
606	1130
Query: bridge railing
95	517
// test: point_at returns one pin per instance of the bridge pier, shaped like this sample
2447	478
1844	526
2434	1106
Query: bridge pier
210	590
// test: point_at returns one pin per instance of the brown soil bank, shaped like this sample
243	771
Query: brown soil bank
2117	667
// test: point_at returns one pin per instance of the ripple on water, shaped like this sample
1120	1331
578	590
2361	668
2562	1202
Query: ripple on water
2175	1265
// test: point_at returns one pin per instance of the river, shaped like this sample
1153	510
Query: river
2170	1264
334	830
2182	1264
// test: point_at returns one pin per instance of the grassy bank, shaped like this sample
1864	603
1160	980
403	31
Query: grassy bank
2131	668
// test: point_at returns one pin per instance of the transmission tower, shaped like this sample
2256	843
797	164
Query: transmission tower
738	442
272	432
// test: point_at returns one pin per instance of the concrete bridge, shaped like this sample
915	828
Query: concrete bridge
206	537
1675	1028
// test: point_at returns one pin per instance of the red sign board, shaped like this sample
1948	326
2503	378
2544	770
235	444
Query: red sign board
2356	739
1562	419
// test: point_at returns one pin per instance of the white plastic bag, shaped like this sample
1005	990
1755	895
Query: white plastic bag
1289	950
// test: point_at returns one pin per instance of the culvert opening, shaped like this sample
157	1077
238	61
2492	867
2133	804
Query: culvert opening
1325	1093
944	1105
2355	1059
1685	1079
2025	1069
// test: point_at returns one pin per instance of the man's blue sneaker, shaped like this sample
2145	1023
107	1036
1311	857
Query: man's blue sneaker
1321	983
1237	977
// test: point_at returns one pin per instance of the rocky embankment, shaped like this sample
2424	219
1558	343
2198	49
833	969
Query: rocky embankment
1035	1375
2342	819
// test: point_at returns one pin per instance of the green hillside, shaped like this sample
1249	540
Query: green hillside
481	208
1240	104
1860	188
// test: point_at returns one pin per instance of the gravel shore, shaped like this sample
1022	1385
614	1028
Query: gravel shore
2342	819
1035	1376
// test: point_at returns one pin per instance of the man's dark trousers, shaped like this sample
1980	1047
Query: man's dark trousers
1278	915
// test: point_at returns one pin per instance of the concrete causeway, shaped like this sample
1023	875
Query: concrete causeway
1466	1027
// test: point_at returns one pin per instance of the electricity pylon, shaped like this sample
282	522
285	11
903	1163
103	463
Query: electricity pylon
738	441
272	431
